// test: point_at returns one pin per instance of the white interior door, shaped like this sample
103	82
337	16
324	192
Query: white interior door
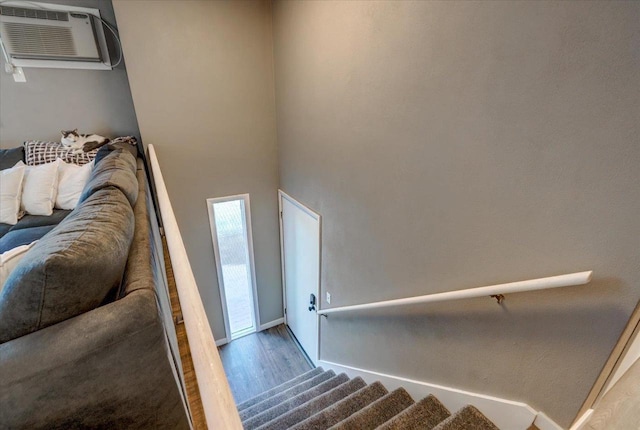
300	236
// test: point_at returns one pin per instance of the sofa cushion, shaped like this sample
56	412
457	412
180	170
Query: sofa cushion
4	229
9	157
71	181
127	143
23	236
11	185
39	188
118	169
72	269
29	221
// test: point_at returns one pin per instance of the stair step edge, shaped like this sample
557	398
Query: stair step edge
422	415
469	417
315	405
377	412
292	403
283	396
340	410
290	383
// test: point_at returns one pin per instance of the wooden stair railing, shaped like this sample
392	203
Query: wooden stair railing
218	403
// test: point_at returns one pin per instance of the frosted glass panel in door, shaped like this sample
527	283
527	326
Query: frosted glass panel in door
231	232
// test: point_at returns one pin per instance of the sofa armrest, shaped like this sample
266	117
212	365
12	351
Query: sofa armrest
107	368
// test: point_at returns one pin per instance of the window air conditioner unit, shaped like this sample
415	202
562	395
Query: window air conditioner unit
53	36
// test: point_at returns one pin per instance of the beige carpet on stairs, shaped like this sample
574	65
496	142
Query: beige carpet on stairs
319	400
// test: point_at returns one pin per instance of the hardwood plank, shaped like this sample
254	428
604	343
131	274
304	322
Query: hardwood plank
260	361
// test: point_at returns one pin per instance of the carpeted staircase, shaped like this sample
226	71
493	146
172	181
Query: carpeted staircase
323	400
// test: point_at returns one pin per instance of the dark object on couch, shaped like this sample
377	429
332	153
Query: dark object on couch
9	157
86	332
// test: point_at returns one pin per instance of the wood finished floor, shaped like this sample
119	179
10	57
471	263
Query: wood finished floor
260	361
191	383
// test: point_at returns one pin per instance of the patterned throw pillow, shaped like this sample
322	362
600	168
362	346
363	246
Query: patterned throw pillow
37	152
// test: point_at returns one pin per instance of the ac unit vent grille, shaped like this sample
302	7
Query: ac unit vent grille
21	12
40	40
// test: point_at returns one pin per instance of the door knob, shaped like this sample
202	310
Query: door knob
312	302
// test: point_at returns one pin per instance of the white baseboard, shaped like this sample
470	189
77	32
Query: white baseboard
506	414
272	324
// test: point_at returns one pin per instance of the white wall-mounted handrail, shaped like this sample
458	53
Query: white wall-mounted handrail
571	279
217	401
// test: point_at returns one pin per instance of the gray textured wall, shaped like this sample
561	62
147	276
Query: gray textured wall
449	145
202	83
94	101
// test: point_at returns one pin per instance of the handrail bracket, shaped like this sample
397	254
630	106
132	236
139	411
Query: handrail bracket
499	298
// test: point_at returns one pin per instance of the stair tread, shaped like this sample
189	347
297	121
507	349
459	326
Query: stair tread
285	395
292	403
314	406
284	386
423	415
377	413
468	418
319	400
344	408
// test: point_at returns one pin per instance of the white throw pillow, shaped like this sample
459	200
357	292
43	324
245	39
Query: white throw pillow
9	260
39	188
10	191
71	181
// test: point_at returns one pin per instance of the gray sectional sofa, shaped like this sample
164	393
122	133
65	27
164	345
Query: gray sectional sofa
86	329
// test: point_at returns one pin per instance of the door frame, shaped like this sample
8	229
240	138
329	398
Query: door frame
318	217
216	252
